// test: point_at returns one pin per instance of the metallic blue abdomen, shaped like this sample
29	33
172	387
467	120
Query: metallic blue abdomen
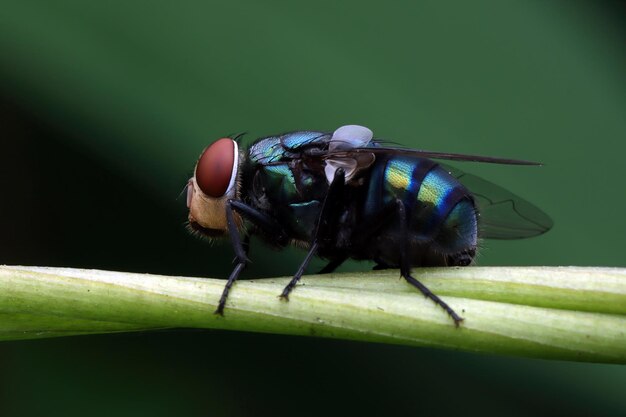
441	214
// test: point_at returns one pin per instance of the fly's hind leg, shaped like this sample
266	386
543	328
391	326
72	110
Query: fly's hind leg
428	294
405	266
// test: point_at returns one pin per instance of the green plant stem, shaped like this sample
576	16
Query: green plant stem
568	313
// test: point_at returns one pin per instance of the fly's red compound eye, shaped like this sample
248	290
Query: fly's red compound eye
216	168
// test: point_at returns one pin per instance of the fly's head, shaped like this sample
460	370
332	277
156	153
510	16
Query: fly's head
213	184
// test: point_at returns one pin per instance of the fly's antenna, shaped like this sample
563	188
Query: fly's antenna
237	138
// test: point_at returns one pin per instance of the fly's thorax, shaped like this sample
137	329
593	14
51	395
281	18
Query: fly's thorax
216	180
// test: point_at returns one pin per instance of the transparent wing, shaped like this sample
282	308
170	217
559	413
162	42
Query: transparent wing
427	154
503	215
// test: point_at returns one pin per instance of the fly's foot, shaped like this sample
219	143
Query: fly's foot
284	296
428	294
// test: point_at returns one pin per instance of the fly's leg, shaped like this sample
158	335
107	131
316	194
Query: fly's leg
312	250
246	246
325	224
428	294
405	267
261	220
241	248
363	235
241	258
332	265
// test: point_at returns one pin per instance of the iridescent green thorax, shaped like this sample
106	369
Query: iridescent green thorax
290	190
266	151
275	149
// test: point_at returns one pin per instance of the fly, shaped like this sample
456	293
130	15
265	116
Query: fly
344	195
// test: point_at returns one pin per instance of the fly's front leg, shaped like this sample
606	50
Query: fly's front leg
405	266
241	257
331	209
241	248
262	220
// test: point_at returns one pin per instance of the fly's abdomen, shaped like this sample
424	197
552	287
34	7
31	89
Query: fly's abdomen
449	212
441	214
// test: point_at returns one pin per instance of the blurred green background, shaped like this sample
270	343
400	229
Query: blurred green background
104	108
